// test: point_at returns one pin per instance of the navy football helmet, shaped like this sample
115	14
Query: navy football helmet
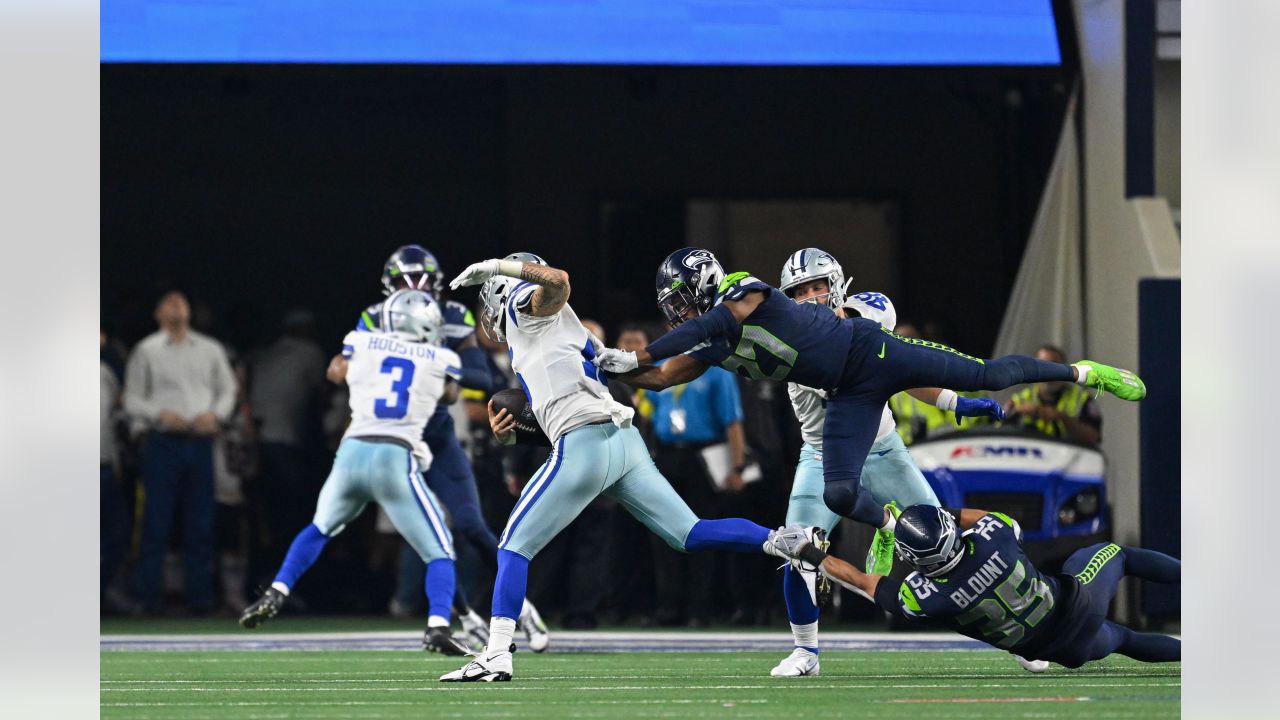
688	278
927	538
412	267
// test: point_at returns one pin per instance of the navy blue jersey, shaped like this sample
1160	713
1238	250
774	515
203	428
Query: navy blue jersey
781	339
459	323
994	594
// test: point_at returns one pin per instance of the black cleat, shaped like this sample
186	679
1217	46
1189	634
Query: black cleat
440	640
266	607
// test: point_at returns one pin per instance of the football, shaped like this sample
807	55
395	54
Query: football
515	402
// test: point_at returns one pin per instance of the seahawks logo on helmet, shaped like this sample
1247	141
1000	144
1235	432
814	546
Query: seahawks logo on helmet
412	267
687	283
926	537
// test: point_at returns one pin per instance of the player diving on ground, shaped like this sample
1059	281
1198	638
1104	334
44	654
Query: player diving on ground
742	324
979	583
397	376
595	449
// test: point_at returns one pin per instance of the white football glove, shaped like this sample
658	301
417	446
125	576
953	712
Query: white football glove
616	361
475	274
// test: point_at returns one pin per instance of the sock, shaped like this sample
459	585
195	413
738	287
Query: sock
892	524
302	555
800	609
437	621
728	534
806	636
439	586
1082	374
500	631
509	586
1152	565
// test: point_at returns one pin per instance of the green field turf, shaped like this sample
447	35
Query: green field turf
370	684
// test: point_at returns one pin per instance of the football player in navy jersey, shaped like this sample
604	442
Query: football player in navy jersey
979	583
742	324
450	476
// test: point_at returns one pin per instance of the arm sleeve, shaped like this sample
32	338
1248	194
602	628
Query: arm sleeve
692	333
349	344
475	369
137	388
224	385
452	364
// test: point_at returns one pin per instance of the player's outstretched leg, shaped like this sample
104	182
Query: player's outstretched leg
302	555
494	664
1151	565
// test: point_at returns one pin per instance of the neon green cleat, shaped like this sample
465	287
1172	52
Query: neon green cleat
880	556
1124	384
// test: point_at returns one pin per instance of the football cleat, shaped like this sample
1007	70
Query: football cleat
799	663
489	667
440	640
266	607
535	631
880	555
475	629
1032	666
1124	384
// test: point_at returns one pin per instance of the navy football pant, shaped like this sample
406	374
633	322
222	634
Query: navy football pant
1099	568
890	364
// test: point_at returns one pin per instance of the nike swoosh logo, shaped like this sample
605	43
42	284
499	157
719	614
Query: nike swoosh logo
881	355
881	454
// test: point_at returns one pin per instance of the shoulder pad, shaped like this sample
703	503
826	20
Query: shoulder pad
873	306
368	321
738	284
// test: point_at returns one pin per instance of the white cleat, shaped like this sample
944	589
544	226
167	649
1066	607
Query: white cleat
1032	666
799	663
476	630
489	667
535	631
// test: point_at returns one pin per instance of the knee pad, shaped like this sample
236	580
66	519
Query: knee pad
840	497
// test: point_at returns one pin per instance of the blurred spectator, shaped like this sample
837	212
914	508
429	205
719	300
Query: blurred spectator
572	563
179	389
1057	409
234	461
114	526
287	389
694	422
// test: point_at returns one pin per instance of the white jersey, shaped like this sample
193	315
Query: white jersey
551	357
810	405
395	386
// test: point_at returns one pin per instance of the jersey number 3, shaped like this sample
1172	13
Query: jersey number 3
400	386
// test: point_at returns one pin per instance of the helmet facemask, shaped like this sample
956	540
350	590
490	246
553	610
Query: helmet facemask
493	302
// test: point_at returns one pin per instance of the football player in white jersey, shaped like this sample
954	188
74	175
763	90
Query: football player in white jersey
595	449
890	474
397	376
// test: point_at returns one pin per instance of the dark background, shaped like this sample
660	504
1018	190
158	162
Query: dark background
261	188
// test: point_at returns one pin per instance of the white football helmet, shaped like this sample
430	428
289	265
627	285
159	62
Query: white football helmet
412	316
814	264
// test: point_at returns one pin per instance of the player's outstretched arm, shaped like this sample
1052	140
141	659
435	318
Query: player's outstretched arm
949	401
553	283
676	371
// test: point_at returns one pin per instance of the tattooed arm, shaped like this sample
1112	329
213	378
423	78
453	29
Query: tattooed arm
553	288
